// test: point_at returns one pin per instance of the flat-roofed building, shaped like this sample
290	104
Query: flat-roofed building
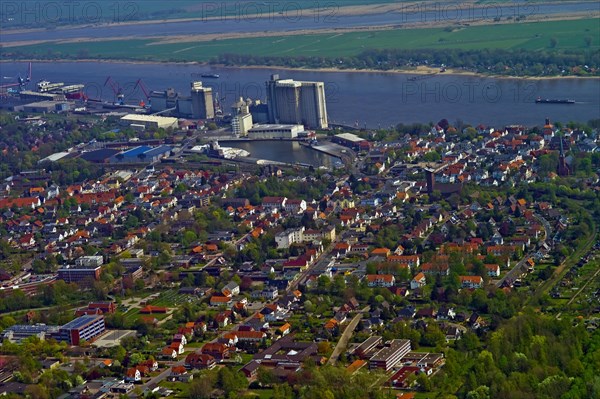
47	106
89	261
19	332
291	101
150	121
79	275
367	347
352	141
202	101
390	355
425	359
268	131
142	154
241	124
35	95
84	328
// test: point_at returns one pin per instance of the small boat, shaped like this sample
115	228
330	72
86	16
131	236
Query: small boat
553	101
210	75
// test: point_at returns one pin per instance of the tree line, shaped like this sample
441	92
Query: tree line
519	62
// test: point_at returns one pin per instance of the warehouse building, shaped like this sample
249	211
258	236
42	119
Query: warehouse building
275	131
37	96
142	154
149	121
102	155
352	141
44	107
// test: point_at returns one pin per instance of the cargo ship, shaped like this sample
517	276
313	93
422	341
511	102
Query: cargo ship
553	101
210	75
71	92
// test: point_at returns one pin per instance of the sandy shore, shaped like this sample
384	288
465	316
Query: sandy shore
420	70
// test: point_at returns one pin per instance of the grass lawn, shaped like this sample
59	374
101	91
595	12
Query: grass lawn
169	299
132	314
246	357
262	393
179	388
569	35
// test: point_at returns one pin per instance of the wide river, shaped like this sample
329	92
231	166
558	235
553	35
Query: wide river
364	98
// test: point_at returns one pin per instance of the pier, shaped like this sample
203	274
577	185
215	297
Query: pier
335	150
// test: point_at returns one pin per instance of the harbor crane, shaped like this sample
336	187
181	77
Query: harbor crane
117	90
144	89
21	82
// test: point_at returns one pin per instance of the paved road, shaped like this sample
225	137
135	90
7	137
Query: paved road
343	341
520	267
324	256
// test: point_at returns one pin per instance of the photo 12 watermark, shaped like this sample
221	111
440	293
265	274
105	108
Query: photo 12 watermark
468	91
52	13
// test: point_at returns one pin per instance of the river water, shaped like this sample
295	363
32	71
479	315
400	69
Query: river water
374	99
285	151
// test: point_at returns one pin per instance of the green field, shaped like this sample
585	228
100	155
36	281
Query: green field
49	13
566	35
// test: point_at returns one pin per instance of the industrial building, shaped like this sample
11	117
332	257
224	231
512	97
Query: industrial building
55	157
149	121
79	275
241	120
46	106
102	155
83	328
352	141
241	124
163	100
142	154
275	131
259	112
37	96
202	101
390	355
297	102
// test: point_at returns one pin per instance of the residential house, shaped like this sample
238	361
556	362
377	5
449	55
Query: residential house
418	281
217	350
380	280
232	288
411	261
493	270
133	375
471	281
199	361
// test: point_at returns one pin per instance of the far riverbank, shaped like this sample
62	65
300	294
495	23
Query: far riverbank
420	70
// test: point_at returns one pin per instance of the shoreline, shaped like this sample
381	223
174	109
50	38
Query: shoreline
420	70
